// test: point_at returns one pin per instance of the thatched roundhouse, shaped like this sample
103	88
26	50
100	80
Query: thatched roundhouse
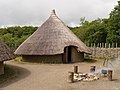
53	42
5	55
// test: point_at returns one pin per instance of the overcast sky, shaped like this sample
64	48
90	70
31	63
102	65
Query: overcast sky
35	12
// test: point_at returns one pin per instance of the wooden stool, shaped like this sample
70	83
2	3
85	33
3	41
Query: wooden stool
110	75
71	75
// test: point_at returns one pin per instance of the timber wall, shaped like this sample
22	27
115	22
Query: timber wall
43	59
1	68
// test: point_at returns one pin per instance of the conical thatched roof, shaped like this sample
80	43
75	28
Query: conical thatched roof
50	39
5	52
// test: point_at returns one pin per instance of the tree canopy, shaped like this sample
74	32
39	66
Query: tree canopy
105	30
16	35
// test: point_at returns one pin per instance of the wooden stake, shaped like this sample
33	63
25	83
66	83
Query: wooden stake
92	69
75	69
71	75
110	75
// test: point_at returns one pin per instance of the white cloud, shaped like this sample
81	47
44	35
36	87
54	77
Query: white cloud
35	12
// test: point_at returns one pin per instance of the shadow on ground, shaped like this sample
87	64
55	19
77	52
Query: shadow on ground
12	75
115	80
90	60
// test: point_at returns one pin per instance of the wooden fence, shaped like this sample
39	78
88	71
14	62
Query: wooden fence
103	45
105	52
101	50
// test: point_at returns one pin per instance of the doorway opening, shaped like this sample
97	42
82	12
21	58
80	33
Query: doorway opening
68	54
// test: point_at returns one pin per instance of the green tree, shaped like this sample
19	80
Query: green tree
114	25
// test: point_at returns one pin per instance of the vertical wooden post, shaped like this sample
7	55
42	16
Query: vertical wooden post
109	45
110	75
95	52
92	69
91	45
88	45
100	45
105	45
71	75
116	45
75	69
94	45
112	45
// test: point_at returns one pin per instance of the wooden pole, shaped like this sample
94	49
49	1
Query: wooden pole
71	75
94	45
75	69
116	45
109	45
110	75
105	45
100	45
92	69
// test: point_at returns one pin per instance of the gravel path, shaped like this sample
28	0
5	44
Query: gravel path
55	77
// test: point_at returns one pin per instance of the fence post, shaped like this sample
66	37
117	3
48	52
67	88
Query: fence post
94	45
112	45
75	69
110	75
71	75
116	45
92	68
109	45
88	44
100	45
105	45
111	49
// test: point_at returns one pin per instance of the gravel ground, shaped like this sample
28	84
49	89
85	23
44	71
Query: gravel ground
55	77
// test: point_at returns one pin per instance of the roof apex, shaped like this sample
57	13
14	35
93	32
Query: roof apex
50	39
53	13
5	52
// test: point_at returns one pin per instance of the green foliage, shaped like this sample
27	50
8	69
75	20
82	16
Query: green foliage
97	31
16	35
114	25
92	32
100	30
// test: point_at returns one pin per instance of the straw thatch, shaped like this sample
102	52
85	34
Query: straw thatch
5	52
51	39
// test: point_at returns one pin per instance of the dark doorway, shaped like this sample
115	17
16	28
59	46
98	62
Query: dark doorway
67	54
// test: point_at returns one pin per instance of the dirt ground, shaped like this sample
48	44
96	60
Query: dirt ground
55	77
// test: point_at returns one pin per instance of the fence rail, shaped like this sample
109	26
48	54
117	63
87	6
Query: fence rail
101	50
103	45
105	52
